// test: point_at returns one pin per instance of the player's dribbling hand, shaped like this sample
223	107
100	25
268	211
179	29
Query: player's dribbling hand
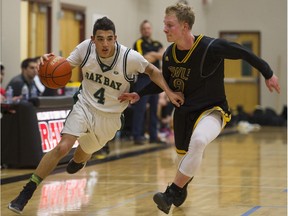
43	58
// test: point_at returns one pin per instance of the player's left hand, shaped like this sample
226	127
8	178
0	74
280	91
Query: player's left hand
133	97
272	83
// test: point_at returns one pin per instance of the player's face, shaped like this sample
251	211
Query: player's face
105	43
172	28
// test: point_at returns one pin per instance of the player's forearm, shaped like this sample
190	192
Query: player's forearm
157	78
149	89
230	50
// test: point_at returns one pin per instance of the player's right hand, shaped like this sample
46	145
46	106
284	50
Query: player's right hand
45	57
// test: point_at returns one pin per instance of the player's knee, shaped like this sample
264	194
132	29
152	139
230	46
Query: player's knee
61	150
197	144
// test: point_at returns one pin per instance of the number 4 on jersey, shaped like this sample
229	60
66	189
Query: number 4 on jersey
100	95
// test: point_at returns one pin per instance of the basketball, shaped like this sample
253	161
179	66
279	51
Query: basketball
55	72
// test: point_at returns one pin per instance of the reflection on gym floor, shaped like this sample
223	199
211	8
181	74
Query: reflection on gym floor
241	174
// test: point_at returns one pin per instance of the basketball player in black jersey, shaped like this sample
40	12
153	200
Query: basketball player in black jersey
194	66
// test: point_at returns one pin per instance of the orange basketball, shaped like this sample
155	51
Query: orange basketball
55	73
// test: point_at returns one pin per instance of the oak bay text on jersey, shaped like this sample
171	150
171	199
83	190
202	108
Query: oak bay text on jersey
103	80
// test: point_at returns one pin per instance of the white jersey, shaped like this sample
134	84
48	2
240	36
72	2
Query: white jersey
102	84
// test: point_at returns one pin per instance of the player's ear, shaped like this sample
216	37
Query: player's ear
92	38
186	26
115	37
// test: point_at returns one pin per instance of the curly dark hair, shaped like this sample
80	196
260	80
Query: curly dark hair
105	24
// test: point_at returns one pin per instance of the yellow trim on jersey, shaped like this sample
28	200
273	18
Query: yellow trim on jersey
189	53
225	119
139	47
225	116
181	152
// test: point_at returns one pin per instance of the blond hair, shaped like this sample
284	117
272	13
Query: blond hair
183	12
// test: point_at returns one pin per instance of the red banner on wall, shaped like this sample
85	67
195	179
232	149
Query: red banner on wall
50	125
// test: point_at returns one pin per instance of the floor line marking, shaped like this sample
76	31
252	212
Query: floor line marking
250	211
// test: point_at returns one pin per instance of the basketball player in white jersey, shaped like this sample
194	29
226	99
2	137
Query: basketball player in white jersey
108	69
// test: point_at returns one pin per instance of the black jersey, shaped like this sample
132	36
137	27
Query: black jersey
199	72
144	46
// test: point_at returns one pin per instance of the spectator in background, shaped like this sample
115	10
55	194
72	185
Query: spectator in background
165	109
28	73
151	50
2	90
3	98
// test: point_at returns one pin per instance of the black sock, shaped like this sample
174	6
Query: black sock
174	187
29	189
31	185
185	186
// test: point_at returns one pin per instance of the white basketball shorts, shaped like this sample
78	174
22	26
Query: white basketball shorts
94	128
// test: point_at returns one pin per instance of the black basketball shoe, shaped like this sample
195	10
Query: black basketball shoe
166	199
74	167
179	200
17	205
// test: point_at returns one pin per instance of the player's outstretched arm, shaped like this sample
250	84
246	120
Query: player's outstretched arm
272	83
156	76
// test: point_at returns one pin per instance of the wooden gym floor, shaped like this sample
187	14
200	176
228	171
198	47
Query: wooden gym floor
241	175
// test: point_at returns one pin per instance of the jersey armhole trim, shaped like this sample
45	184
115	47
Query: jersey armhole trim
131	79
203	59
87	54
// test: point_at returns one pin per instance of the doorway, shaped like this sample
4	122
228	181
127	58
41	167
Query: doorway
241	79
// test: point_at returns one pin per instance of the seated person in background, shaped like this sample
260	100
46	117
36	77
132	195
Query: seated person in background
3	98
28	72
2	90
